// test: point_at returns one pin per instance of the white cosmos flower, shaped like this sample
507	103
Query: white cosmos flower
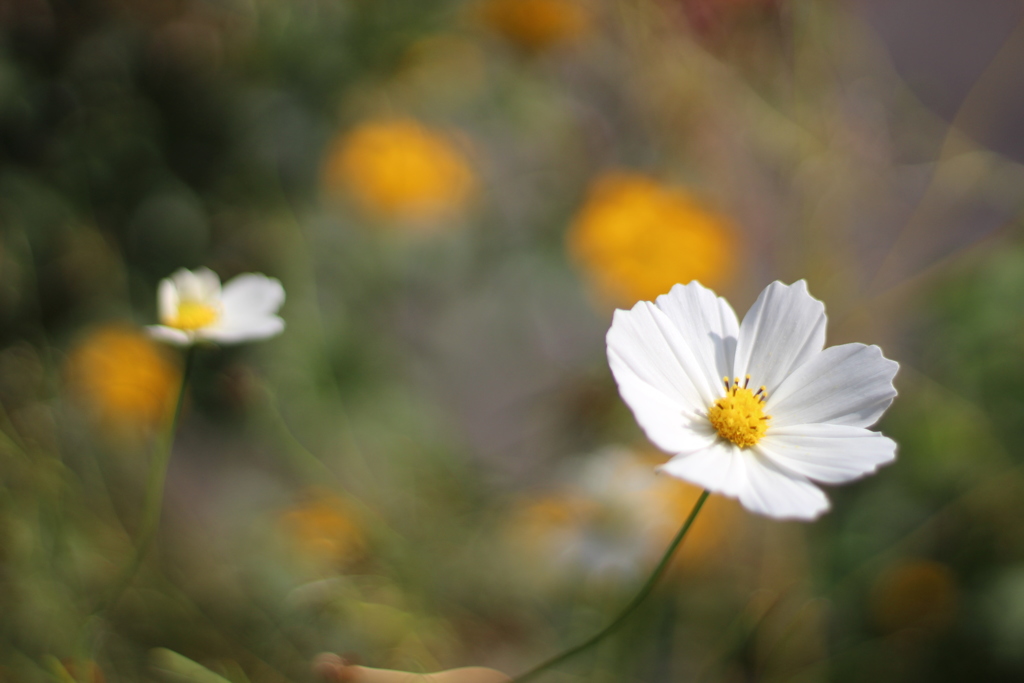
696	380
194	307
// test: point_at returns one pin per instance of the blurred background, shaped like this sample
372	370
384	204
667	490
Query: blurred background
432	467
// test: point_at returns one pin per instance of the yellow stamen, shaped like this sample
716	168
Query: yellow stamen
739	416
193	315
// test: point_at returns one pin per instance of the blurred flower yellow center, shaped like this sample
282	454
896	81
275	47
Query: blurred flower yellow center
636	237
739	415
193	315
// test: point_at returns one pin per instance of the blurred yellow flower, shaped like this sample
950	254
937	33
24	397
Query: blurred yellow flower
614	519
636	237
326	530
400	170
918	594
536	25
126	380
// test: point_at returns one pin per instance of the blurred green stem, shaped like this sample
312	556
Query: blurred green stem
154	499
630	608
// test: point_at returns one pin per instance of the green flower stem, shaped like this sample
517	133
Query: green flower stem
630	608
154	500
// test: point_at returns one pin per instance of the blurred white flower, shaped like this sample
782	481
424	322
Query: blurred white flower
793	411
193	307
610	520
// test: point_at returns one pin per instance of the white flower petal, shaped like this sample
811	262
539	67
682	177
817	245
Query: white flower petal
775	492
721	468
650	348
850	384
208	284
252	295
667	422
167	301
187	285
760	485
783	330
243	329
707	324
170	335
828	453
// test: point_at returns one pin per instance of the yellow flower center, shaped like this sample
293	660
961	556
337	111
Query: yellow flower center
193	315
739	415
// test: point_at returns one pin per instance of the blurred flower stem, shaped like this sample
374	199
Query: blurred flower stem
648	586
153	502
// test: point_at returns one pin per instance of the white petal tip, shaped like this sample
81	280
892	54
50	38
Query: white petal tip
169	335
800	516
